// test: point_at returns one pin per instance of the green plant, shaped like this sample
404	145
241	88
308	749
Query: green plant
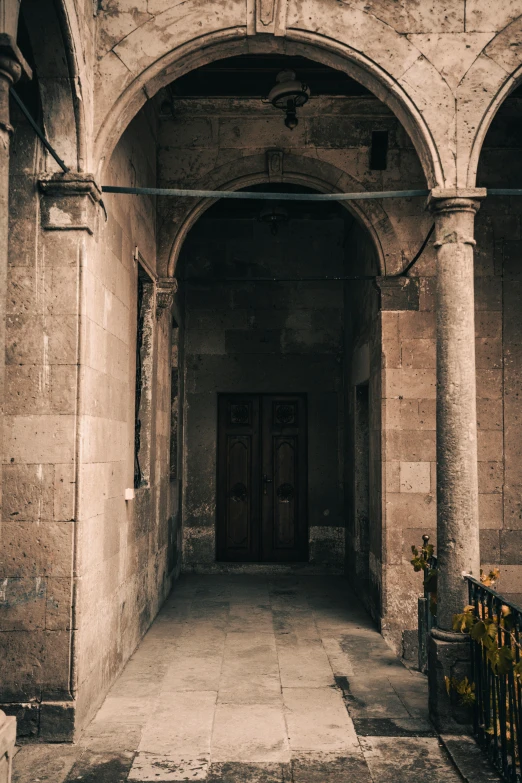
464	689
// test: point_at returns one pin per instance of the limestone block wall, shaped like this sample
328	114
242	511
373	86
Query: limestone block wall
36	552
498	298
125	567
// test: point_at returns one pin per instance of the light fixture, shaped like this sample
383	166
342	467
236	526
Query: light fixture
289	94
274	215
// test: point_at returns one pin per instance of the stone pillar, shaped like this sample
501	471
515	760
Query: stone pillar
12	65
457	484
42	452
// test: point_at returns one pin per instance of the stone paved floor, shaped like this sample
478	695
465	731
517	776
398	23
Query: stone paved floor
255	679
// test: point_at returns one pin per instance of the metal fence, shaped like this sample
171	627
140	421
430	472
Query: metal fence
498	691
426	609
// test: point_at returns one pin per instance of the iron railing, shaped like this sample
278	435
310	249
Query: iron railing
426	610
498	696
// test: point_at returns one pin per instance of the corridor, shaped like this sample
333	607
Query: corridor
255	679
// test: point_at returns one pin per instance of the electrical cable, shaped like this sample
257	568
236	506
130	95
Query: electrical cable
21	105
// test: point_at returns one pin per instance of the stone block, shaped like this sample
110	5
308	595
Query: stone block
417	325
58	604
409	510
27	720
410	445
21	683
510	548
448	656
490	414
490	511
490	546
28	492
512	505
398	293
489	384
488	293
39	439
415	477
512	294
410	383
57	722
488	323
392	475
418	354
490	445
488	353
510	579
36	550
199	546
490	477
427	293
64	489
22	604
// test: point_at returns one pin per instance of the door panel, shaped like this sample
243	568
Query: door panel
238	478
284	519
261	499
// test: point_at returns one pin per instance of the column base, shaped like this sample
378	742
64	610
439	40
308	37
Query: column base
449	655
51	721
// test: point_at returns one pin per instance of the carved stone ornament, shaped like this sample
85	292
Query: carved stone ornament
69	202
266	16
274	165
165	290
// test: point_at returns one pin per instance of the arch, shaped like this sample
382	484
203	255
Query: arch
478	142
354	41
323	177
54	48
497	71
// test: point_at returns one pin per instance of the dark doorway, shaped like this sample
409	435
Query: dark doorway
262	477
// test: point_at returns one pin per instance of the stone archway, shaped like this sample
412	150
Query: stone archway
358	43
299	170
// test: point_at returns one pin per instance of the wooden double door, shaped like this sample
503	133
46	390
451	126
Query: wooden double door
262	477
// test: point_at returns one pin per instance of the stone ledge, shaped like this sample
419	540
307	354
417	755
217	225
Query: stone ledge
42	722
469	759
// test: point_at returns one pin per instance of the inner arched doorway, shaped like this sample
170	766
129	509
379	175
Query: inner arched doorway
271	328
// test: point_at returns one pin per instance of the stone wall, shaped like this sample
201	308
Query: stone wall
125	559
498	302
84	571
36	556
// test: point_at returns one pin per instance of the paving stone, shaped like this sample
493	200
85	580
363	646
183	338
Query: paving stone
237	772
408	760
44	764
101	768
326	768
148	767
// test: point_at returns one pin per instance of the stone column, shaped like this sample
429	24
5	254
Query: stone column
457	484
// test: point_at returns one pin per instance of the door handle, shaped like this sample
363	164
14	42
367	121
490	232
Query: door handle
266	482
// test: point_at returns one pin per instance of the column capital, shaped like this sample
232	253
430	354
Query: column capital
12	66
69	201
12	62
166	287
455	199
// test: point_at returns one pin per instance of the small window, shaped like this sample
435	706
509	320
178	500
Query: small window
144	366
379	150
